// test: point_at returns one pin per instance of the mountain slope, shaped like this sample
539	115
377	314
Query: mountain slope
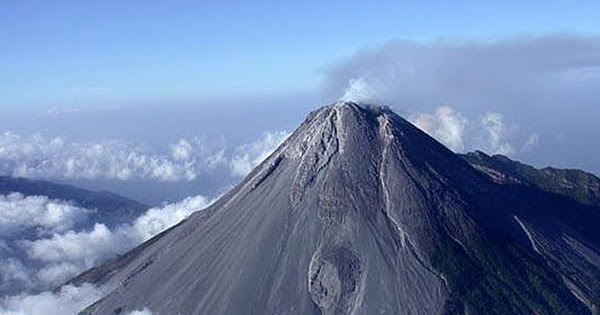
579	185
359	212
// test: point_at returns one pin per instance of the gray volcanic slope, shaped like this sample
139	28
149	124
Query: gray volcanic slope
579	185
359	212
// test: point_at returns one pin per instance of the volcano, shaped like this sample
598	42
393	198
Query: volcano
360	212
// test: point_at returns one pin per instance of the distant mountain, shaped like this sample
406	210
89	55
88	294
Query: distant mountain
579	185
360	212
112	209
34	210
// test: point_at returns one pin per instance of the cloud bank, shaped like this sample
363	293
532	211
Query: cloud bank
42	157
42	240
37	261
18	212
70	300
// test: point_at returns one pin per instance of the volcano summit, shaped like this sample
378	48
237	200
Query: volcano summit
360	212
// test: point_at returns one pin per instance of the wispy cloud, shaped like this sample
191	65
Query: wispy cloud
537	83
497	131
490	133
248	156
62	110
360	91
477	73
446	125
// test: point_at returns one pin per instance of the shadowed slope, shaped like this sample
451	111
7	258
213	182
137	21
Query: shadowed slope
576	184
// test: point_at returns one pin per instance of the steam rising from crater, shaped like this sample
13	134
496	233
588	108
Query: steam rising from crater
359	90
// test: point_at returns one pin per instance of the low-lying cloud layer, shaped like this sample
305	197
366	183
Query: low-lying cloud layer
45	256
45	247
44	157
70	300
43	241
18	212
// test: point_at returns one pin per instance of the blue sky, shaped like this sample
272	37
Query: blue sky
518	78
96	53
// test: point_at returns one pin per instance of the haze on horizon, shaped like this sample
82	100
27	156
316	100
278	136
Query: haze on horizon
172	104
200	91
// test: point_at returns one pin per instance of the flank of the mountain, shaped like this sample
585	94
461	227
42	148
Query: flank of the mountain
360	212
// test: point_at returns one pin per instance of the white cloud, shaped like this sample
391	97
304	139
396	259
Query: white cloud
41	157
86	247
14	272
18	212
250	155
70	300
47	243
67	254
182	150
497	132
490	133
56	273
144	311
38	156
531	142
446	125
360	91
47	262
538	82
156	220
40	261
25	218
